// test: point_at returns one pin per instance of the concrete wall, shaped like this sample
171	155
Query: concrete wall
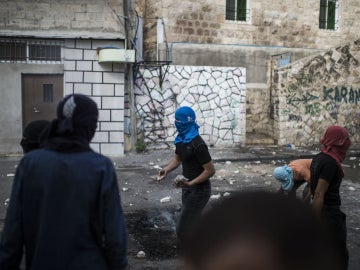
254	58
11	100
317	92
216	94
65	18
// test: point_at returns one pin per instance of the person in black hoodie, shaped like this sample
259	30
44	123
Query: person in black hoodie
65	208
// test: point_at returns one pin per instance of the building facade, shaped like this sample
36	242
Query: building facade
49	49
252	34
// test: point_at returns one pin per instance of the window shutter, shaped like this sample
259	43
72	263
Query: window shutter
322	15
230	9
331	15
241	10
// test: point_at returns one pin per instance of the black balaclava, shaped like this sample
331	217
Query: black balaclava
74	126
33	135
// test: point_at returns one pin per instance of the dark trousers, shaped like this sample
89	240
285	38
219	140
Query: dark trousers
336	220
194	199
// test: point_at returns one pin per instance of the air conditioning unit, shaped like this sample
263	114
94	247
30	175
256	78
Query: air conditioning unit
116	55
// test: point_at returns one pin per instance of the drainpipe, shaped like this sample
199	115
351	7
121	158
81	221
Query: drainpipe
129	80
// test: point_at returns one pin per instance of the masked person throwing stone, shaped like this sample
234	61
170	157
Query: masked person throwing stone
192	152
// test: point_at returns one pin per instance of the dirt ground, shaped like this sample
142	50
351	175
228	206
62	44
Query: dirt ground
151	223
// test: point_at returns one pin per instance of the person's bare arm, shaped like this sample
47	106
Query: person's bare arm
318	200
173	164
209	171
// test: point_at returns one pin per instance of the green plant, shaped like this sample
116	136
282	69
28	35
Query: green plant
140	146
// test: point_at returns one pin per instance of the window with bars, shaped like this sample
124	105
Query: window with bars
44	52
13	50
328	14
237	10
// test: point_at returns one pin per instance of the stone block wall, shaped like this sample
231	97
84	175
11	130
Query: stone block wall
316	92
104	83
217	95
288	23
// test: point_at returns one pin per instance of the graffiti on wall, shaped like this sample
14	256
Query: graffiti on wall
304	99
342	94
294	117
316	92
331	97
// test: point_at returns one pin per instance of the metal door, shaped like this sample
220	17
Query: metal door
40	94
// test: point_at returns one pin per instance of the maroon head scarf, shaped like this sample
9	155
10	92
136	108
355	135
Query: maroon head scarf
336	142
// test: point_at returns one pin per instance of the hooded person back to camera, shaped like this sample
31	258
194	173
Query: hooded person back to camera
65	208
192	153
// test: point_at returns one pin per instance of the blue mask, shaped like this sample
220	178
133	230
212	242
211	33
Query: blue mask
285	175
185	124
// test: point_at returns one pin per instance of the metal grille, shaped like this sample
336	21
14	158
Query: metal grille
30	50
12	51
44	52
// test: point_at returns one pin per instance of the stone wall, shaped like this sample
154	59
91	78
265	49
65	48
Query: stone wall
216	94
62	18
258	118
288	23
314	93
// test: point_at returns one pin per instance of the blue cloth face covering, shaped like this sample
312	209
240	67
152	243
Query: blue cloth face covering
285	175
185	124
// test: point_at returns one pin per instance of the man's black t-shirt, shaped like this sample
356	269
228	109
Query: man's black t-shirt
325	167
193	155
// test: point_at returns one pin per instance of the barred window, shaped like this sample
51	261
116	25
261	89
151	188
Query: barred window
44	52
237	10
328	14
30	50
12	51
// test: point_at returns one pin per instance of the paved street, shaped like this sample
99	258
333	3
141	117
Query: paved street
151	222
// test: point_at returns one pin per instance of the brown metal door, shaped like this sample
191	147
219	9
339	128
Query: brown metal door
41	94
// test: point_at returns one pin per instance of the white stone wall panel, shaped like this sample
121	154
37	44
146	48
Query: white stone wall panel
222	121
